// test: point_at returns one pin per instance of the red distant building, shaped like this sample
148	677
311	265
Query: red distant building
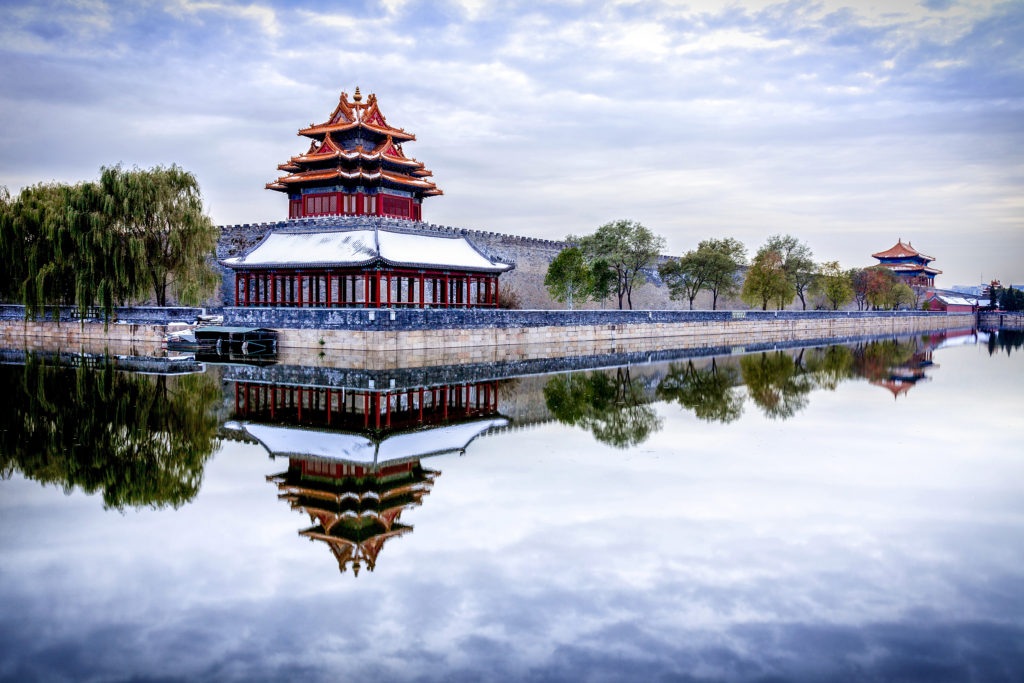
355	166
908	264
949	304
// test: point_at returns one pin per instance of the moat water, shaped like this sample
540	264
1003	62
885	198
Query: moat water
853	512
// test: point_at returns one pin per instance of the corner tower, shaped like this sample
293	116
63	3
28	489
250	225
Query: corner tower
355	166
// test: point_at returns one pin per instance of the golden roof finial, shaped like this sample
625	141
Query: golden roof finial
357	97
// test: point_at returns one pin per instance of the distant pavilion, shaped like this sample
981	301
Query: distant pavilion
908	264
369	267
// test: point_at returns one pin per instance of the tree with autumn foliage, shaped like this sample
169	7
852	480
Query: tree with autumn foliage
766	281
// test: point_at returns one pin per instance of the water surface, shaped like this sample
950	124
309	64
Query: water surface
848	512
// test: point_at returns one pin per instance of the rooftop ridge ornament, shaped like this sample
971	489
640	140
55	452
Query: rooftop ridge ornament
357	97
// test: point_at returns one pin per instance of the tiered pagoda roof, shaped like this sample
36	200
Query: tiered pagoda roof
901	250
355	147
903	260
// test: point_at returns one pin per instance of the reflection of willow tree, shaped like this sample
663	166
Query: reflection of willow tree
710	392
776	383
138	439
614	407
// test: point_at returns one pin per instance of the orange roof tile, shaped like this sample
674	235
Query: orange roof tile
900	250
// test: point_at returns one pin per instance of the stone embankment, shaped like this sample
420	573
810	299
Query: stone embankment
138	330
1005	321
389	330
474	334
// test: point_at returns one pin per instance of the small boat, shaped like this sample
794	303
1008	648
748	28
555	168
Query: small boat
247	340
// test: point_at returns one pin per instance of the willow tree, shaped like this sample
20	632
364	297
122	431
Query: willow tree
160	210
107	243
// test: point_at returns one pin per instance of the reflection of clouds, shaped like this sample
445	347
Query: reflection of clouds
753	550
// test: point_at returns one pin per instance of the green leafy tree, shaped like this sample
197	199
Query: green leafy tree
712	266
163	209
833	284
766	281
568	277
727	257
1011	299
712	392
797	261
628	248
899	295
602	281
685	276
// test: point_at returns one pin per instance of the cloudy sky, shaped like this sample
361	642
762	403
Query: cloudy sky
846	123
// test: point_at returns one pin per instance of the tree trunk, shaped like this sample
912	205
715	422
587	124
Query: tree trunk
714	299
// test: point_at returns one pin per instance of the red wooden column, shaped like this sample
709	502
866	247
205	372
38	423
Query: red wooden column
422	303
237	282
447	294
246	285
366	290
387	279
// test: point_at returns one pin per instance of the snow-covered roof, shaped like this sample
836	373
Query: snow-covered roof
336	248
356	448
955	300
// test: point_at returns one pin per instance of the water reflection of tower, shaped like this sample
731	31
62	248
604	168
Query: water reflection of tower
354	454
901	376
